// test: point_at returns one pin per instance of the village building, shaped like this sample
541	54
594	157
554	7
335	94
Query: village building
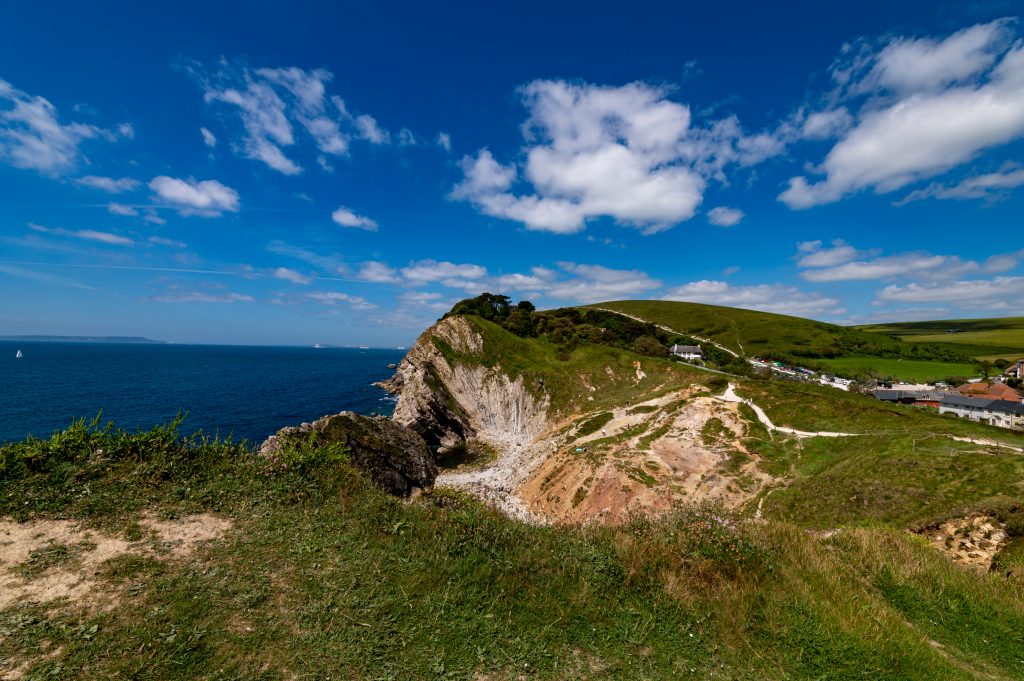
992	390
688	351
1002	413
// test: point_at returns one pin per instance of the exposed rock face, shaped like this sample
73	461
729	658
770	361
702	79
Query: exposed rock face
451	402
395	458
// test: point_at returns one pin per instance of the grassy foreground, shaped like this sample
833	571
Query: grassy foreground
323	576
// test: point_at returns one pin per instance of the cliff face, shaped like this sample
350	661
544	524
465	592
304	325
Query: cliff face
448	401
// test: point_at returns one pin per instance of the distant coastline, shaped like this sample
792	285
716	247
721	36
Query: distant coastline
83	339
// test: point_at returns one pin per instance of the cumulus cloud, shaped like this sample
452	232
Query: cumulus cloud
998	293
777	298
273	103
87	234
209	139
926	106
294	276
569	281
813	255
444	140
207	198
347	218
108	184
843	262
377	273
592	151
33	137
988	186
724	216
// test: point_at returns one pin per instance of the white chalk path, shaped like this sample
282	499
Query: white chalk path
668	328
731	396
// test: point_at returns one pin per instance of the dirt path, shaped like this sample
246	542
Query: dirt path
730	396
670	330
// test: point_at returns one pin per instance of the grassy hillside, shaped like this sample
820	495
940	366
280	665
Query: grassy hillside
323	576
753	333
988	338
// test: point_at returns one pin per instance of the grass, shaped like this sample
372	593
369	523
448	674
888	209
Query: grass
324	576
899	369
999	336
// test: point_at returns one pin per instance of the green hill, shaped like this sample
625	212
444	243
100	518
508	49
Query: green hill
984	338
752	333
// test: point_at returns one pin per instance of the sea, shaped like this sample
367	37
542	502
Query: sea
240	391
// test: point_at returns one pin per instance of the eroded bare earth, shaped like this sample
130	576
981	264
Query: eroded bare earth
973	540
44	560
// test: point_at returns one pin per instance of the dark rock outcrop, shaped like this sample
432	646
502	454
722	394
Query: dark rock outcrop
394	457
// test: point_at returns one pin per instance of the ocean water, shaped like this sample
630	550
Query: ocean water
249	392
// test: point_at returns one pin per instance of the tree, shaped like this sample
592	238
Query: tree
650	346
985	368
520	322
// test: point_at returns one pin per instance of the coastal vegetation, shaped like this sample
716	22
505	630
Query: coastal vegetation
323	575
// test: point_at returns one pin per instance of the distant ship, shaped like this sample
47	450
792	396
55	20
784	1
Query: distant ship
317	346
19	355
364	347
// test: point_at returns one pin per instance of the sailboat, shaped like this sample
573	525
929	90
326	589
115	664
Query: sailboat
19	355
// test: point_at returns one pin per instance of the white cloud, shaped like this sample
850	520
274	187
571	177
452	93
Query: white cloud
334	297
444	140
377	273
1003	262
912	65
776	298
825	124
888	267
207	198
120	209
932	105
346	218
209	139
816	256
998	293
32	136
274	102
203	297
108	184
595	283
428	271
87	234
593	151
988	186
370	131
291	275
724	216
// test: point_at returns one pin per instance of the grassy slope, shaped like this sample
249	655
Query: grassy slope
324	576
747	331
903	471
985	337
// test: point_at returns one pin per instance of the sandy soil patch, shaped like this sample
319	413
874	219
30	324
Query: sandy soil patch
973	540
27	549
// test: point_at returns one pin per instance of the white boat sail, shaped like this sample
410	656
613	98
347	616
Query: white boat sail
19	355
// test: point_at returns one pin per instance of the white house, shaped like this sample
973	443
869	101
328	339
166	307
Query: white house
688	351
1002	413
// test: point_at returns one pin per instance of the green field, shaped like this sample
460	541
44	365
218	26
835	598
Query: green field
900	369
984	338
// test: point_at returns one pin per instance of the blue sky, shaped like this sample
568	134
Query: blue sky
291	173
